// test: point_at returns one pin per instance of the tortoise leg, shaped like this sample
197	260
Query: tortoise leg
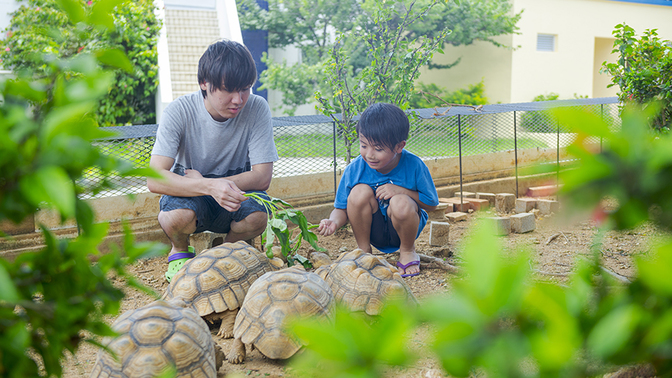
228	319
237	352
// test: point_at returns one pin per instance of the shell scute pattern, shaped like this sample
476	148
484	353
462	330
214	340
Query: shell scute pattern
217	280
363	281
155	337
272	299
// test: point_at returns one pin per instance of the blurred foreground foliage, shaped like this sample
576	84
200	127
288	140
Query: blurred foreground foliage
47	124
500	321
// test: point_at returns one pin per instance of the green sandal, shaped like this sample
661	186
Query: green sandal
177	260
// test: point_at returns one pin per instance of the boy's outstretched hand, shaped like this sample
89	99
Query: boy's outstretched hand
327	227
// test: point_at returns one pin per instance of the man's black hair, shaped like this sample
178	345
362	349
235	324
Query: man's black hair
384	125
227	65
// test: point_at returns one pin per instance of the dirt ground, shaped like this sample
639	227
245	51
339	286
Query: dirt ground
556	242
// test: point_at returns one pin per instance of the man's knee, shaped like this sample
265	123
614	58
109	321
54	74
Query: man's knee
361	195
402	207
253	223
178	220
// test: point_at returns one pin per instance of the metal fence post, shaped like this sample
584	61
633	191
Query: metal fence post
333	123
515	148
601	116
557	153
459	145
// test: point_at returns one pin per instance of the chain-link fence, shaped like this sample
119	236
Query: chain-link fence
311	144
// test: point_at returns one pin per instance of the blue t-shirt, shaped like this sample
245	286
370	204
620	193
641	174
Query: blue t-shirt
410	173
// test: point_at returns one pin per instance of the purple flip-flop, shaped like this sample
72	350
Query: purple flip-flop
402	266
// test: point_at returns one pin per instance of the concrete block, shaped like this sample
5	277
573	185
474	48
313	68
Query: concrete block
522	223
523	205
465	194
205	240
440	210
543	191
27	226
489	196
456	217
504	202
548	206
438	233
501	225
478	204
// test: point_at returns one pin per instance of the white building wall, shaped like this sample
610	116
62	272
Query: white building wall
584	36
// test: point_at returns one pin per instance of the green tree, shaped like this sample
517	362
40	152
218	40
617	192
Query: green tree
431	95
643	71
394	65
313	25
40	27
47	125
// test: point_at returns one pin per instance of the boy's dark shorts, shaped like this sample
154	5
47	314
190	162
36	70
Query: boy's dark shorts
383	235
209	215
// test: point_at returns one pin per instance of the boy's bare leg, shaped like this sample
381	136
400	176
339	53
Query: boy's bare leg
403	212
362	204
178	224
253	225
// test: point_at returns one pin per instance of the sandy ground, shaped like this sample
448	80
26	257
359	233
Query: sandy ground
556	243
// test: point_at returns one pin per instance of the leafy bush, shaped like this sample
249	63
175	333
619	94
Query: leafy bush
431	95
500	322
41	27
50	296
541	121
643	71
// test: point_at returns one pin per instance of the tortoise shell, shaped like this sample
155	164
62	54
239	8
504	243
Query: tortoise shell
274	297
362	281
155	337
216	281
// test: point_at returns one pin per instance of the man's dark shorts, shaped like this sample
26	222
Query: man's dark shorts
383	235
209	215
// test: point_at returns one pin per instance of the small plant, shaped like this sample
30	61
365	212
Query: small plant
279	212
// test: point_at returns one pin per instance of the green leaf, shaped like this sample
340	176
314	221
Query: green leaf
52	185
613	331
73	9
114	58
8	292
102	11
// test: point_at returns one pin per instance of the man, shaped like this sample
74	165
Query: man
212	146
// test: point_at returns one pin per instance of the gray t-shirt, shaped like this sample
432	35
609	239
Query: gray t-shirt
195	140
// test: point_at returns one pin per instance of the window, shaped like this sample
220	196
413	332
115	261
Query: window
546	42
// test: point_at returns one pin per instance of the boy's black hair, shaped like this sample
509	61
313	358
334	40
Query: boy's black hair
226	65
384	125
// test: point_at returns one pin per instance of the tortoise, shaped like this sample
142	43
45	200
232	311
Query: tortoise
362	281
215	282
271	299
155	337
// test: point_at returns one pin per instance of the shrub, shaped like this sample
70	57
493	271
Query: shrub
431	95
48	298
643	72
40	27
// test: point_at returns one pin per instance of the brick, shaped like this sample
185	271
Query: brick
523	205
489	196
438	233
501	225
522	223
478	204
439	211
465	194
459	204
456	217
543	191
504	202
548	206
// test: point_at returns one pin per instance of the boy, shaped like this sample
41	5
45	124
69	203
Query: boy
211	147
385	192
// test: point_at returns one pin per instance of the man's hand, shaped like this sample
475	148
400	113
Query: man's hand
387	191
227	194
327	227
